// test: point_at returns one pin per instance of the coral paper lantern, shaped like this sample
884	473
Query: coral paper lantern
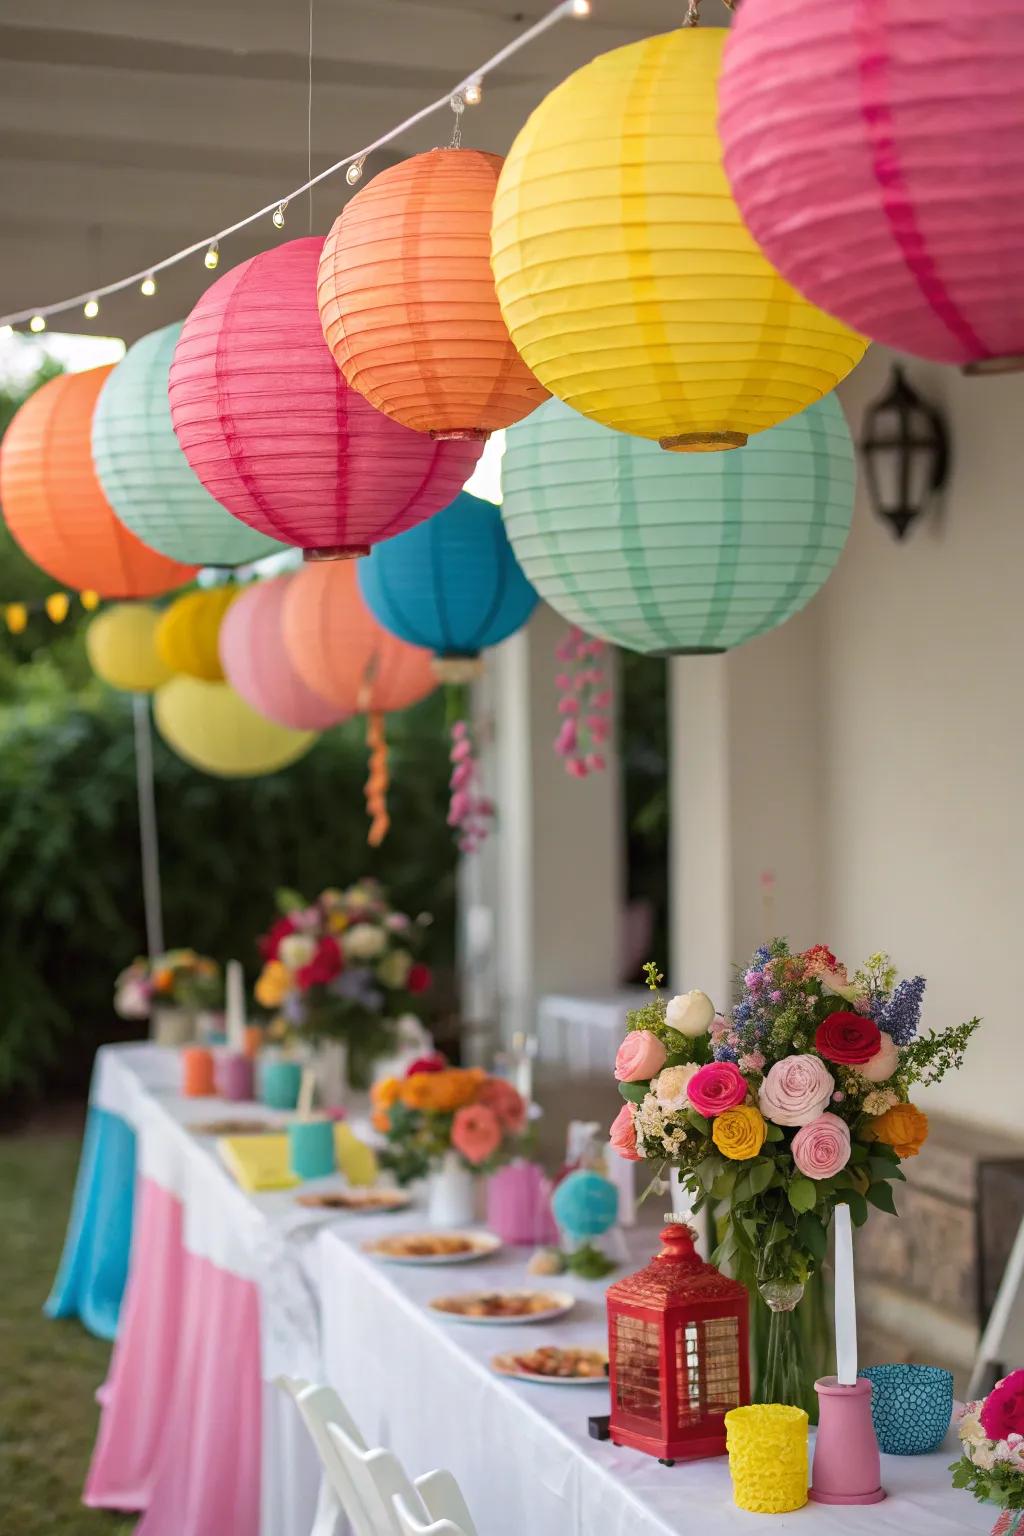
209	726
146	477
628	280
188	635
121	644
674	554
877	155
259	668
55	507
277	436
407	299
342	653
452	585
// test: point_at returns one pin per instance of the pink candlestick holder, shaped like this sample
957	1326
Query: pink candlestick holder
847	1469
519	1205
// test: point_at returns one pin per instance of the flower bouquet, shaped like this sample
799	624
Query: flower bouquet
173	988
342	968
799	1101
991	1465
447	1123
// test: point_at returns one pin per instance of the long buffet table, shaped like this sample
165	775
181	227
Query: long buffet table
227	1290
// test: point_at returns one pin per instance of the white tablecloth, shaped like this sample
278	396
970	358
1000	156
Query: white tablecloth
422	1385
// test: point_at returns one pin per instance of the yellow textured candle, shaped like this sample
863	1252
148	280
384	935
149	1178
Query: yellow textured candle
767	1445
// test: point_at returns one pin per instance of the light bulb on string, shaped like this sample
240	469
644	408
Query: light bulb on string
212	258
473	95
6	330
277	217
354	173
579	7
37	324
91	308
148	286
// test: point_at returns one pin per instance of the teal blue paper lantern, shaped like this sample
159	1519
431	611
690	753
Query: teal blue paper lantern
677	553
585	1204
146	476
451	584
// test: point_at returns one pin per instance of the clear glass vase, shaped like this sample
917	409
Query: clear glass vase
782	1370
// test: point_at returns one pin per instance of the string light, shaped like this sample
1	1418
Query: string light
473	95
6	330
354	173
37	324
91	308
212	258
147	280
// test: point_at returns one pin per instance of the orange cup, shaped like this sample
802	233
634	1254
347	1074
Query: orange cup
253	1041
197	1072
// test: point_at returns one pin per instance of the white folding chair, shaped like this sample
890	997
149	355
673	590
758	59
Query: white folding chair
410	1525
321	1407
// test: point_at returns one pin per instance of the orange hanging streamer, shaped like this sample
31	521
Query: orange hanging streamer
377	780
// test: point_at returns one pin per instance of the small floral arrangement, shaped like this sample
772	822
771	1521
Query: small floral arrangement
584	703
178	979
991	1465
342	967
796	1103
436	1109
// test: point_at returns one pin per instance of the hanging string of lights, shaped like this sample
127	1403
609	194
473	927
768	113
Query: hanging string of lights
469	90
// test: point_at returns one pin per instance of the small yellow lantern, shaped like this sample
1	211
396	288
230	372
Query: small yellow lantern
188	634
209	726
628	281
121	644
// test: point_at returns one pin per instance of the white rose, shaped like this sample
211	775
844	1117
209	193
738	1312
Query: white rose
296	949
363	941
970	1430
984	1456
690	1013
670	1085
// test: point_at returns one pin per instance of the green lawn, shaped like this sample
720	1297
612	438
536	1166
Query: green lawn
49	1371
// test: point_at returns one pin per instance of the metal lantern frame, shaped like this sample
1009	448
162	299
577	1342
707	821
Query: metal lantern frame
903	433
678	1353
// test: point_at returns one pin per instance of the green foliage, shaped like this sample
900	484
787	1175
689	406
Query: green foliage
69	861
928	1058
1002	1485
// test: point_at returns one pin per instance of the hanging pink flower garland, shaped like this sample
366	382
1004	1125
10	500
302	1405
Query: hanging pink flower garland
584	705
470	812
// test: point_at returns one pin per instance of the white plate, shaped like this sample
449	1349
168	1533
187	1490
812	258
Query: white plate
358	1202
562	1301
546	1381
484	1244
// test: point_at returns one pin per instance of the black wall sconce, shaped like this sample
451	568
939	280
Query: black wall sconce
905	448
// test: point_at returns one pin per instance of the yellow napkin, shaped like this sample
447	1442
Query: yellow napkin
357	1161
257	1162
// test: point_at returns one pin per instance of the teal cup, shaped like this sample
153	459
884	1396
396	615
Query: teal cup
280	1082
311	1148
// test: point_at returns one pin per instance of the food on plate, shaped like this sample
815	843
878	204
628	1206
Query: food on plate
424	1245
499	1304
551	1360
357	1200
233	1128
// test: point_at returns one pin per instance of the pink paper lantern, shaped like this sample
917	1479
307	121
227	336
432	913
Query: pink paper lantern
876	151
269	425
258	667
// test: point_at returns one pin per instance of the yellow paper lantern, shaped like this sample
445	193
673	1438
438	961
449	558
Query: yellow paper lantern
121	644
627	278
209	726
188	634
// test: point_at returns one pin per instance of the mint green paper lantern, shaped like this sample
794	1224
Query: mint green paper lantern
677	553
145	475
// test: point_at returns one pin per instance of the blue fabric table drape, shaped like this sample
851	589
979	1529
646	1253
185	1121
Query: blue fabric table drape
94	1265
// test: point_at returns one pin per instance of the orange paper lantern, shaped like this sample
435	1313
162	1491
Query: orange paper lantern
408	304
54	505
341	652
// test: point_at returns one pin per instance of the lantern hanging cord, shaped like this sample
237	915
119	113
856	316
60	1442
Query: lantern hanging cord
377	779
566	8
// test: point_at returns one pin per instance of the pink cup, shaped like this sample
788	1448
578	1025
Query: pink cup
233	1075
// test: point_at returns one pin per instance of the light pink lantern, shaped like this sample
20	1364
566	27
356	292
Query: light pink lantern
259	668
876	151
276	435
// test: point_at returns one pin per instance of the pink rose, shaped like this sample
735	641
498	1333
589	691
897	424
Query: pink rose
640	1057
881	1066
1002	1412
822	1148
796	1090
717	1087
623	1135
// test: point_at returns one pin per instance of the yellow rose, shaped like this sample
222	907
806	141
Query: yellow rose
273	984
739	1133
904	1127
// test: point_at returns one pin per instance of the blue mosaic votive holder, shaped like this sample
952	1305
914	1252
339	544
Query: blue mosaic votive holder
911	1407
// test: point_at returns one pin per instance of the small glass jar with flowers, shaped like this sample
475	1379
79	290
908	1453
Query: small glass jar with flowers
448	1125
797	1102
342	975
178	992
991	1464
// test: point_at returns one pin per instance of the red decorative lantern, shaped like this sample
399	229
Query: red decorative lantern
678	1353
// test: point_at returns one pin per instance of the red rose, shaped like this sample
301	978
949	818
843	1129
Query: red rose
271	942
848	1038
420	978
819	955
433	1063
324	966
1002	1412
